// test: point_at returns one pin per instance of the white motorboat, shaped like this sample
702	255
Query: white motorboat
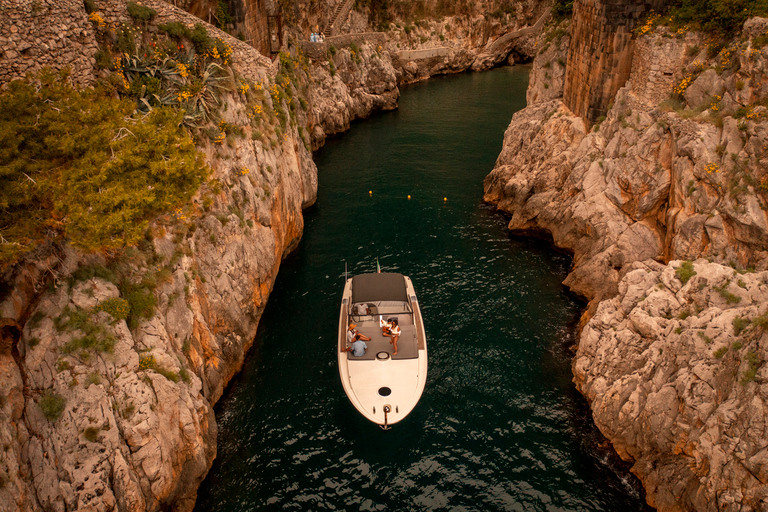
384	386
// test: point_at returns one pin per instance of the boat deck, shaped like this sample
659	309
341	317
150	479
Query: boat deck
407	344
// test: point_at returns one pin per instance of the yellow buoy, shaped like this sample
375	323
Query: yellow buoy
445	199
409	196
370	192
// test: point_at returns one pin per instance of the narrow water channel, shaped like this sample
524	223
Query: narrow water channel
500	425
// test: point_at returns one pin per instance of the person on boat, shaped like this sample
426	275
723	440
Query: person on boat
358	348
385	326
353	334
394	333
361	308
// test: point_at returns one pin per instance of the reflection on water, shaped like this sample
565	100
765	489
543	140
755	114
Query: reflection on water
500	425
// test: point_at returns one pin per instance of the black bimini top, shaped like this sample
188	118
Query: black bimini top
377	287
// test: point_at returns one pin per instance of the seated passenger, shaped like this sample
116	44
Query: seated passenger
353	334
385	326
358	348
361	308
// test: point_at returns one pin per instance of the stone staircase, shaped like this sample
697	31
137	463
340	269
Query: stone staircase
339	15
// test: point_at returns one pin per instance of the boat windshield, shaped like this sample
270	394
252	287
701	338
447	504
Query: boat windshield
366	310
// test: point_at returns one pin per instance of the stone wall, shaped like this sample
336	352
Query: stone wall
59	34
657	65
244	59
54	33
319	51
253	17
600	58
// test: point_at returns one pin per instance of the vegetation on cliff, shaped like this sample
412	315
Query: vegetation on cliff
85	166
384	12
720	17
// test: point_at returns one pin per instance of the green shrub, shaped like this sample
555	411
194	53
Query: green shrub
223	18
150	363
104	59
52	404
729	297
97	340
685	272
117	307
93	378
720	352
142	302
87	272
141	13
168	374
185	375
128	410
80	165
739	324
91	434
563	9
35	319
95	336
719	17
761	321
200	38
176	30
90	6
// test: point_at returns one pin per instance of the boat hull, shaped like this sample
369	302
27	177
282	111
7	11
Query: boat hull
384	387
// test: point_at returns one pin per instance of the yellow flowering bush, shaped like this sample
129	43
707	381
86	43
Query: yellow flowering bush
117	307
712	168
147	362
648	25
684	83
97	19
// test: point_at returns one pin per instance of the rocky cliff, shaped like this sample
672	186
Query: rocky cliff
110	364
674	172
432	38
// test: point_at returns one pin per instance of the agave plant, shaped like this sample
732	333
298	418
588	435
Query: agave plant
204	94
148	80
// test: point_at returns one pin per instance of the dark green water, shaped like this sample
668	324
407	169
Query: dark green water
500	425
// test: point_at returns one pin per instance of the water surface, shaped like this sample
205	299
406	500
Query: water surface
500	425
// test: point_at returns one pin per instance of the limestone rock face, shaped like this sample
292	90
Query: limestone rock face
675	373
350	85
136	429
474	41
633	195
547	77
97	414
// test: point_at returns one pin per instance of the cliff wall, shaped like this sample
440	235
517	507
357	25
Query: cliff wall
673	365
133	429
601	49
